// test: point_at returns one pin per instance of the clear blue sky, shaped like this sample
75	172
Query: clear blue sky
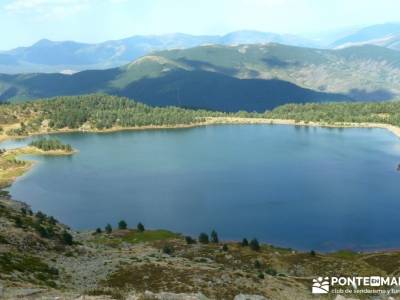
23	22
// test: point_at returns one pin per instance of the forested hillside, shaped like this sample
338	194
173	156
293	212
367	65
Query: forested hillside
385	112
98	111
229	78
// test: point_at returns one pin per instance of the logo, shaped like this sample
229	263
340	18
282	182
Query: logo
320	285
355	285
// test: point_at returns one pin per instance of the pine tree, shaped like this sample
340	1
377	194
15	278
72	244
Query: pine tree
108	228
214	237
122	225
254	245
140	227
203	238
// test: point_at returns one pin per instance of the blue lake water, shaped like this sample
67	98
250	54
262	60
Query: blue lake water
300	187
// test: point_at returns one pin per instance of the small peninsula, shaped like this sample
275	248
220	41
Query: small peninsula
11	167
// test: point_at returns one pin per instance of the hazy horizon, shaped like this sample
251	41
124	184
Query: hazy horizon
88	21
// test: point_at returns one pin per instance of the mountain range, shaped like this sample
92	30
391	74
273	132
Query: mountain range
385	35
69	56
229	78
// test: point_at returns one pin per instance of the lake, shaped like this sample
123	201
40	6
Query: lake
301	187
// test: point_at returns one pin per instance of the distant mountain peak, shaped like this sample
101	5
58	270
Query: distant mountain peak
385	35
43	42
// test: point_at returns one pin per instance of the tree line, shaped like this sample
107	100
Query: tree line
340	112
50	144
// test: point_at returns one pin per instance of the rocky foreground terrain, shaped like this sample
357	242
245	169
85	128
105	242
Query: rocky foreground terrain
43	259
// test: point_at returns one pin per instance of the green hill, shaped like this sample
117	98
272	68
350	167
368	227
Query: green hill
229	78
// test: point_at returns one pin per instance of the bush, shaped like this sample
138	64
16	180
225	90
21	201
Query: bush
189	240
167	250
214	237
271	271
42	231
261	275
122	225
312	253
67	238
254	245
203	238
52	220
18	222
40	216
108	228
225	247
245	242
140	227
98	230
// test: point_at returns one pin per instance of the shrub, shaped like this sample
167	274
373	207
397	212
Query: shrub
167	249
245	242
189	240
214	237
52	220
203	238
18	222
108	228
225	247
42	231
98	230
66	238
140	227
122	225
40	216
271	271
312	253
254	245
261	275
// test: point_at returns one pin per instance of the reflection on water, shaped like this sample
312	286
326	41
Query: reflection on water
308	188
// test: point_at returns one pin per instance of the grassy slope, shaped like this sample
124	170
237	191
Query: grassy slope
125	260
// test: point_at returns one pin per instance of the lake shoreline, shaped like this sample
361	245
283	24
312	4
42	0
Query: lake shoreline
214	121
210	121
13	168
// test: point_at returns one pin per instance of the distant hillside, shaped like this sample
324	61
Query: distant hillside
230	78
363	72
385	35
70	56
190	89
